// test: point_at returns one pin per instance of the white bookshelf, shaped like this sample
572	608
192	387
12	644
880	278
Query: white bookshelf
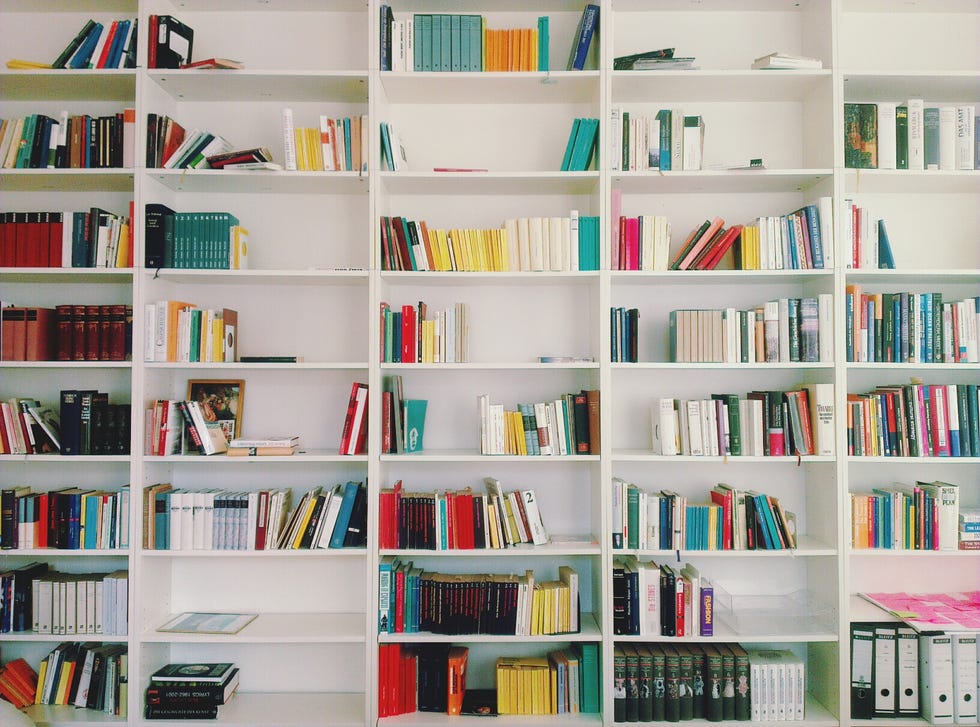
314	285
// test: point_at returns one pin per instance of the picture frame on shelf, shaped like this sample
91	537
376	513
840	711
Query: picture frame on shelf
221	401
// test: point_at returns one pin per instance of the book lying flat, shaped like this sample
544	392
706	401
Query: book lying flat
195	622
214	63
786	61
290	441
261	451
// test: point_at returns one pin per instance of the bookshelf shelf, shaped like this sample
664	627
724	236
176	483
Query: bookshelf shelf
60	276
588	546
301	457
884	553
293	709
247	85
888	366
452	279
260	181
66	364
807	548
911	181
281	628
261	554
646	456
78	180
31	636
473	456
234	366
63	459
496	182
261	277
118	84
933	461
434	719
711	181
717	277
948	86
489	365
918	276
491	87
590	632
670	366
68	553
717	85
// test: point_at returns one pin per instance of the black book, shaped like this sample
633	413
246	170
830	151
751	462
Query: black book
23	595
130	50
668	615
73	46
175	42
433	669
169	695
39	144
156	711
71	415
157	227
311	525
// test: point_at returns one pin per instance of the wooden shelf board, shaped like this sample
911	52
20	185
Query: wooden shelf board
721	181
714	86
248	85
118	84
280	628
260	181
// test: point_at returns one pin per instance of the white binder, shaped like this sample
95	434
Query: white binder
936	669
964	677
884	670
907	665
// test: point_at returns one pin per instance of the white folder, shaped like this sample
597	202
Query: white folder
884	673
936	669
907	665
964	678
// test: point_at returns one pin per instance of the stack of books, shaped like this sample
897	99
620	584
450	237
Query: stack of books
190	691
85	675
180	331
264	447
194	240
70	518
18	683
787	61
564	682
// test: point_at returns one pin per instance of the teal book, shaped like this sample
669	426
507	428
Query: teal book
543	44
414	416
476	42
664	117
420	40
566	161
886	261
425	41
464	44
435	44
584	145
589	692
446	64
343	517
456	43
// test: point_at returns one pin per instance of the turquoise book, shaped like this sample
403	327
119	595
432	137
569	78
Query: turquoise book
414	418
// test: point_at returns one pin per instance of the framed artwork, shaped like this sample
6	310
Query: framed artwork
221	401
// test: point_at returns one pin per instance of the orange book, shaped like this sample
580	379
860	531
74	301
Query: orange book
173	310
456	683
703	241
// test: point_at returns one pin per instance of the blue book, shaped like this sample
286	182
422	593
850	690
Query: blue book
464	44
84	52
886	260
161	515
435	43
349	165
446	61
343	517
586	30
811	216
476	42
544	44
387	17
90	533
664	117
426	22
116	50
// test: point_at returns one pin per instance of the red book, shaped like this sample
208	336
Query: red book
43	516
399	230
40	334
22	240
679	622
92	331
115	345
104	55
14	330
55	231
399	600
464	519
40	229
152	29
725	500
386	423
409	333
711	260
349	419
939	414
173	138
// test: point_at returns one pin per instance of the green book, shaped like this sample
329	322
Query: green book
712	683
435	43
424	40
23	159
646	683
734	425
659	680
194	350
584	145
590	695
698	680
477	23
544	44
619	684
686	684
464	44
727	681
414	417
930	135
664	117
632	683
902	137
566	161
861	136
743	697
672	682
417	25
633	516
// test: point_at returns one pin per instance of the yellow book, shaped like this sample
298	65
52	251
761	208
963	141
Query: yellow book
553	693
456	239
534	50
218	339
483	23
304	520
300	140
122	251
504	242
445	252
502	688
466	246
41	674
536	610
493	250
316	148
64	682
21	65
239	248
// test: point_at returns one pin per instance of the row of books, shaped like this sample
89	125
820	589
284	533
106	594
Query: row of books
96	238
866	237
567	425
552	243
911	135
183	332
67	333
661	600
667	141
624	334
101	45
415	334
65	604
923	516
915	420
715	682
18	683
87	424
168	427
190	691
335	145
783	330
86	674
215	519
412	600
913	327
730	519
459	519
79	141
582	145
70	518
433	678
563	682
763	424
195	240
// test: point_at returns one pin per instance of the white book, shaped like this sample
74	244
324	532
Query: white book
93	60
821	401
409	44
936	677
825	327
513	243
556	243
784	329
539	535
693	142
917	152
524	244
191	138
693	408
677	139
965	657
326	144
886	135
653	143
965	138
947	138
288	140
616	138
536	242
664	427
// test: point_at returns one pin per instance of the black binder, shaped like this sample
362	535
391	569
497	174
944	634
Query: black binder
862	643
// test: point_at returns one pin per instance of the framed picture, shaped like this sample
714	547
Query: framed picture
221	401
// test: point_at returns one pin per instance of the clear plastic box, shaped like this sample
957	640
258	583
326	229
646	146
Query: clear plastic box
794	612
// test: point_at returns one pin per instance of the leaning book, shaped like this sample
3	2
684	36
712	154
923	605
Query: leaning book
195	622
